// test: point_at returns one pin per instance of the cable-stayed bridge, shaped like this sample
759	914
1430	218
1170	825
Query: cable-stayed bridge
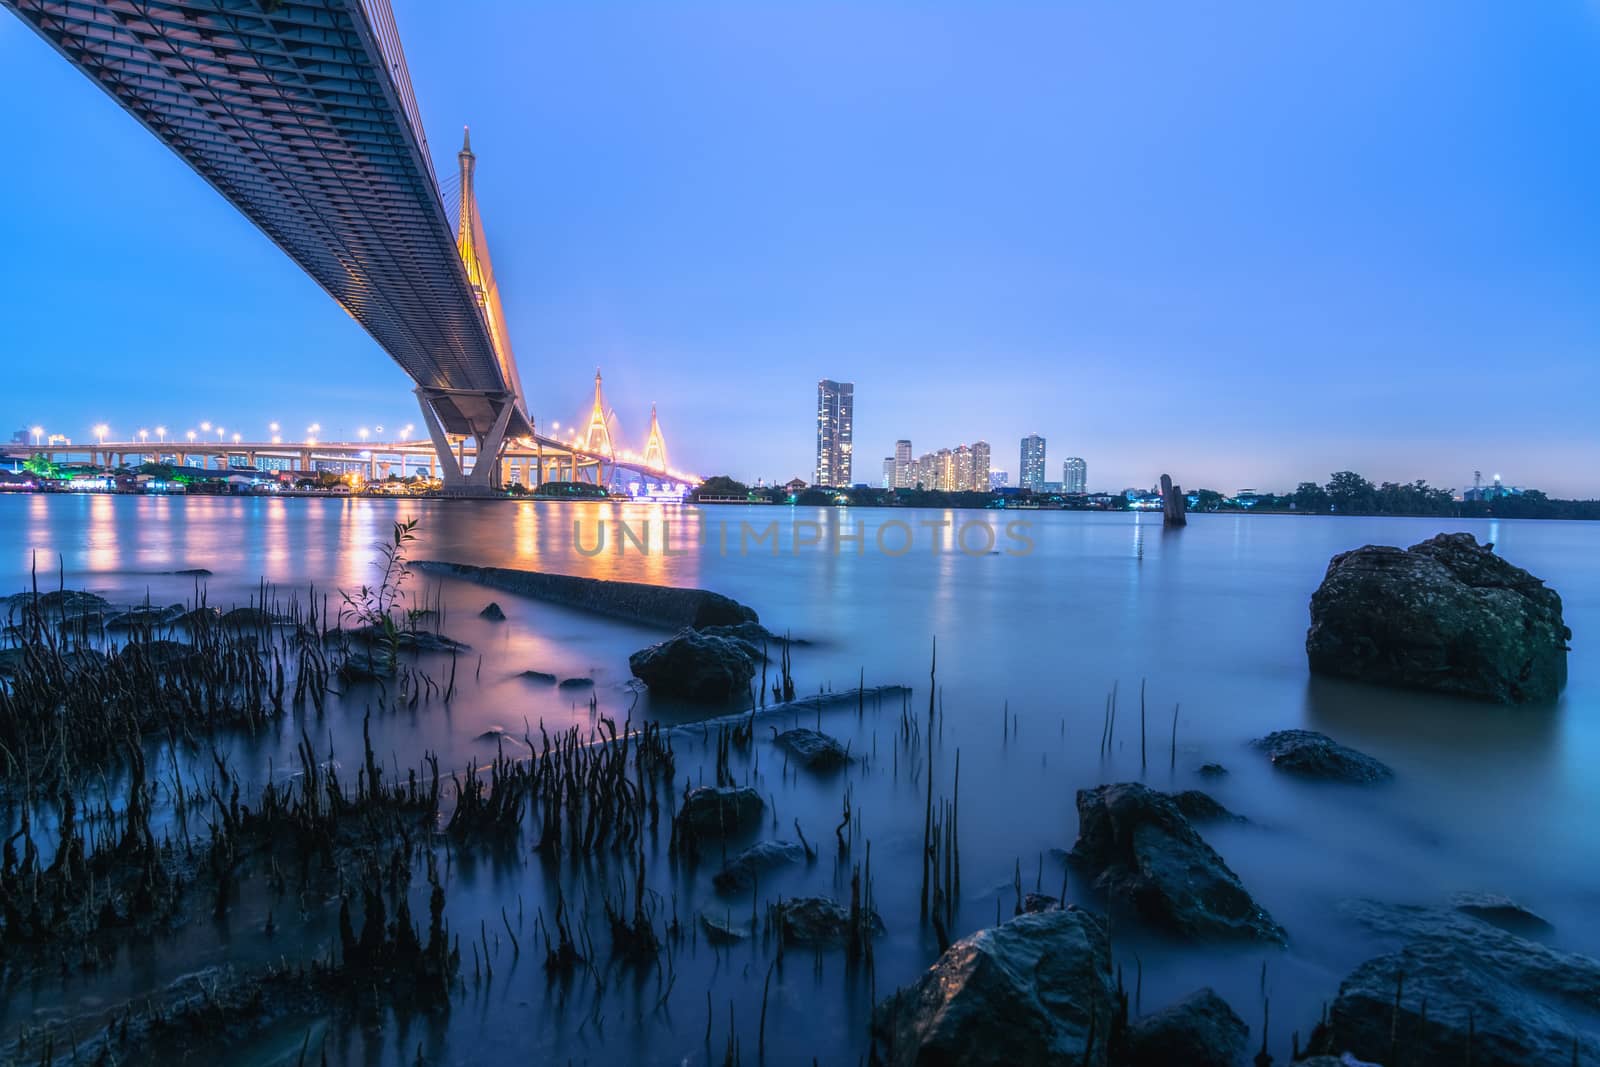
301	114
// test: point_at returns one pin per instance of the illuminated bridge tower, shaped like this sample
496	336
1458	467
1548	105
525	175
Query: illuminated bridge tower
597	438
489	428
655	449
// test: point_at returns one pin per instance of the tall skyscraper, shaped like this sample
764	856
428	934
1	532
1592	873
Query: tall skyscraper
944	473
998	479
905	474
980	466
927	476
961	463
836	405
1074	475
1032	465
888	472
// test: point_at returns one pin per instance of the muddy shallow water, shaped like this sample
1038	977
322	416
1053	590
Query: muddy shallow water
1211	618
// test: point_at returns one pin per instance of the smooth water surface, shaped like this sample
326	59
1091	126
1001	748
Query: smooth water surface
1042	618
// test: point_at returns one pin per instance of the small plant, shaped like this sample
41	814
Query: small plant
374	607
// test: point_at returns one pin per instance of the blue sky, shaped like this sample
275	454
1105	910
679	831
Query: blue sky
1249	243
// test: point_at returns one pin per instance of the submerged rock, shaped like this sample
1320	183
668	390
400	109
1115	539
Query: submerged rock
1035	990
540	676
1213	770
1198	1031
823	922
193	572
1203	807
67	603
748	867
710	812
1138	845
576	683
813	750
653	605
145	617
722	930
1446	615
250	619
695	666
1458	982
1313	755
493	612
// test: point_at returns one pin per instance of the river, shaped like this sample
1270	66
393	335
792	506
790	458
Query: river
1040	619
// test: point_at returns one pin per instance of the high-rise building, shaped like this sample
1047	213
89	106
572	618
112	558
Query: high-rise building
980	466
1032	465
961	469
905	473
944	469
1074	475
836	404
998	479
927	471
888	472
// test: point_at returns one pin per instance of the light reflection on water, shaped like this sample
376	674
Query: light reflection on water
1212	616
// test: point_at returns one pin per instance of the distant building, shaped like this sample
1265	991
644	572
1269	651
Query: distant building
1495	490
927	471
1032	465
905	471
944	469
836	403
980	466
1052	488
1074	475
20	437
961	469
889	469
998	479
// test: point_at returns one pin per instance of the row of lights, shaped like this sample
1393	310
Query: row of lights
101	431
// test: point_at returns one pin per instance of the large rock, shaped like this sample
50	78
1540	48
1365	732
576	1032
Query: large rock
1036	990
1456	978
695	666
1312	755
1138	845
1198	1031
1447	615
718	813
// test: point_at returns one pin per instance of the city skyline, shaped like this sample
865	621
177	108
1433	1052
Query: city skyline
1205	277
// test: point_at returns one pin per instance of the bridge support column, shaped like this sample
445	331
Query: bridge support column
489	436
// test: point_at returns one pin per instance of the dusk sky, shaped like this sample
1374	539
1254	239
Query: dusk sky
1247	243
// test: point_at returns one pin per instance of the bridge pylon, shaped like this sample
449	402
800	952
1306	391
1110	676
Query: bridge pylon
489	414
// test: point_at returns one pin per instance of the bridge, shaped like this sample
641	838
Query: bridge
301	114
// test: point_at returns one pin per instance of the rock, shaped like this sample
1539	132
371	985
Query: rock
68	603
754	636
576	683
1213	770
409	640
1137	844
1500	911
1202	807
1446	615
1198	1031
199	618
722	930
822	922
1521	1002
540	676
1035	990
193	572
653	605
812	750
744	871
710	812
250	619
493	613
161	655
695	666
1313	755
11	659
145	618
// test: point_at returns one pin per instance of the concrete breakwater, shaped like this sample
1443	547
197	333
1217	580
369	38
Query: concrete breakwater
651	605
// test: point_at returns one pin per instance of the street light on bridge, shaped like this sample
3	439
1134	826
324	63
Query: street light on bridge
100	431
205	427
161	434
220	432
38	434
235	438
191	437
144	435
362	433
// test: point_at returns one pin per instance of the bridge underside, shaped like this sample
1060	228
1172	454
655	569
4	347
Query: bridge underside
300	113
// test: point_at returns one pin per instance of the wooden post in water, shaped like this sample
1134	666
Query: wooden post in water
1173	503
